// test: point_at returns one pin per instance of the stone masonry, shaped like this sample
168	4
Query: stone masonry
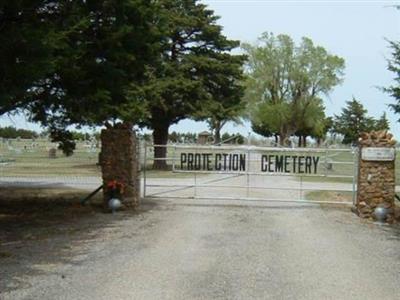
119	161
376	179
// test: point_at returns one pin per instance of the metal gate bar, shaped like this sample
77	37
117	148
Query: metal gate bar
248	150
254	199
184	187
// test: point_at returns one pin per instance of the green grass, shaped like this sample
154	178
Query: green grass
325	179
329	196
342	164
347	170
39	164
31	162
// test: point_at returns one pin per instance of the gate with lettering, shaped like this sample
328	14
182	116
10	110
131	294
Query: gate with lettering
248	173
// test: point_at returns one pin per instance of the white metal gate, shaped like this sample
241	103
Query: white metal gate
251	173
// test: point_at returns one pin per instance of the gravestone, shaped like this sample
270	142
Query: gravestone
376	175
53	153
119	161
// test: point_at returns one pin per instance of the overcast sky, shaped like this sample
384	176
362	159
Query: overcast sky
354	30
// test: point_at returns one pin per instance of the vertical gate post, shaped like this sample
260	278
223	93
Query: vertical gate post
376	175
144	170
119	161
355	175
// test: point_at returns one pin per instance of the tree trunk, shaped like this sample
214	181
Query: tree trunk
282	139
304	141
276	139
217	133
299	143
160	137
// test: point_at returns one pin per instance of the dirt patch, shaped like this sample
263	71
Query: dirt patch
30	213
46	226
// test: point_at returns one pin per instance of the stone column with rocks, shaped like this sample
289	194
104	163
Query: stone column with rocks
376	174
119	161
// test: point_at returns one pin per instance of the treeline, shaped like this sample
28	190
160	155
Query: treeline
349	124
10	132
191	137
188	137
354	120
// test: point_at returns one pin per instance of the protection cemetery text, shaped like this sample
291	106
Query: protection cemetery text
270	163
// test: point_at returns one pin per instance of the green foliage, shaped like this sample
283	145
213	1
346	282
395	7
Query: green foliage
382	123
224	84
10	132
354	120
226	136
195	64
101	48
233	138
25	49
394	66
178	137
97	52
194	71
310	119
65	140
80	136
272	117
91	62
262	128
284	85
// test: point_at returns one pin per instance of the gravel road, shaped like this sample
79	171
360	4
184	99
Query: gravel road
186	249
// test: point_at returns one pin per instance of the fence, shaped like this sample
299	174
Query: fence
250	173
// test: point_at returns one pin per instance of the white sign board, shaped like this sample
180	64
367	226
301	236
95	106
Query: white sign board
378	154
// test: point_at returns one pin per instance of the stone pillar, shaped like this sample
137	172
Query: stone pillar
376	174
119	161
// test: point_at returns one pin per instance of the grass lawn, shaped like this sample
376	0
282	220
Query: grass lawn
329	196
343	169
38	163
21	159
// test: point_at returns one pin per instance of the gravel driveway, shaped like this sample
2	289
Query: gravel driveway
186	249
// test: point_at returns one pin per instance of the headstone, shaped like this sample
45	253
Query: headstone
53	153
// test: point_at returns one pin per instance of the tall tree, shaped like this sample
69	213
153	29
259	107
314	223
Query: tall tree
264	130
321	134
100	52
226	90
310	120
394	66
195	56
284	81
25	49
352	122
382	123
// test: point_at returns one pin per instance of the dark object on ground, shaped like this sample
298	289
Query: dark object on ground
91	195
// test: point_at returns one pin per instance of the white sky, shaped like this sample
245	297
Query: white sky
354	30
